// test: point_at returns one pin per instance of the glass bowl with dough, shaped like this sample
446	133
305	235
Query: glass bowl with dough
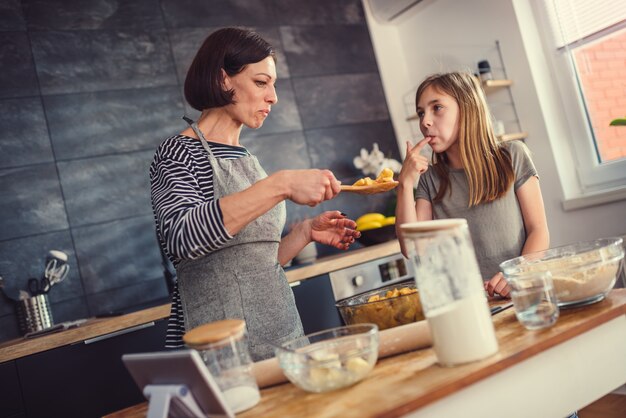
582	273
330	359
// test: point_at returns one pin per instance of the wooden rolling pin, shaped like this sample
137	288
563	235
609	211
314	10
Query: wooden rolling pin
391	341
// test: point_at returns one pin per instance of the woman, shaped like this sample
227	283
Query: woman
219	217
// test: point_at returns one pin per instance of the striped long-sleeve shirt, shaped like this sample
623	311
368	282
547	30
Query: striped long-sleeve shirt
189	220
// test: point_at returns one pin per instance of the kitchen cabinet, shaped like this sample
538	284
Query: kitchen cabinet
87	378
316	304
11	402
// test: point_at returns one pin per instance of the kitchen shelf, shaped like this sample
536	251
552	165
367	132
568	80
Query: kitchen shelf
491	85
513	136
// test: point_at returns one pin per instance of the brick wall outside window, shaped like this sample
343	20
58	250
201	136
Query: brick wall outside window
602	71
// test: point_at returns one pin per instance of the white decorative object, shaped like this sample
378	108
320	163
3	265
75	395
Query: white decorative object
373	162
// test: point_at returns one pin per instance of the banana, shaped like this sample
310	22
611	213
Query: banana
369	217
364	226
389	220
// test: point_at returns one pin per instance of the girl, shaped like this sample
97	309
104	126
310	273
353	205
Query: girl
493	185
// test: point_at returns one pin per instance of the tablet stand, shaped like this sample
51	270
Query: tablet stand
171	401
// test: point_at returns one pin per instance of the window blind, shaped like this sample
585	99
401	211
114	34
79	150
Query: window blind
573	21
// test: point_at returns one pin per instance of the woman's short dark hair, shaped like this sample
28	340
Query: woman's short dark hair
230	49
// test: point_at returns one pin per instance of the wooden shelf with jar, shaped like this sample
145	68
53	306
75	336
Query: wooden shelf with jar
513	136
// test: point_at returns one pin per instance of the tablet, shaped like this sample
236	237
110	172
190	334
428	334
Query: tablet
181	367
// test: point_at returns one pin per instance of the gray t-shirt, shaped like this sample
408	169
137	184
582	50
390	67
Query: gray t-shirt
496	228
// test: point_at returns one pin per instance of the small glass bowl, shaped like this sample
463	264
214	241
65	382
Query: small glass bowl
582	273
330	359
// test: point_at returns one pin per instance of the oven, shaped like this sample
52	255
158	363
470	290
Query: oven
393	269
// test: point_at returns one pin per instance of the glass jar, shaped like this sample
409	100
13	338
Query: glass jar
451	290
223	345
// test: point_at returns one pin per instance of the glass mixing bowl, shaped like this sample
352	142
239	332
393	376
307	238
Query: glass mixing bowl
330	359
583	273
388	311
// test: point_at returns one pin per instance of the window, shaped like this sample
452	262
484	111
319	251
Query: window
586	43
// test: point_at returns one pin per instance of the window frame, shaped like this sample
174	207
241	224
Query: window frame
593	175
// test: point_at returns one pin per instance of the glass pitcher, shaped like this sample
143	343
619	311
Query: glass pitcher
451	290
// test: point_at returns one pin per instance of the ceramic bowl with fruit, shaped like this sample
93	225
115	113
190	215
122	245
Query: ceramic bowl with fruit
376	228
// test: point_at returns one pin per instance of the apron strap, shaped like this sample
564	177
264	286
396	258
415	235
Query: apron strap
194	126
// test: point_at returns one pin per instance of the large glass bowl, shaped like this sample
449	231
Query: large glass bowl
330	359
583	273
388	312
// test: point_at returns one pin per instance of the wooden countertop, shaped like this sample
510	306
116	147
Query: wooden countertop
20	347
409	382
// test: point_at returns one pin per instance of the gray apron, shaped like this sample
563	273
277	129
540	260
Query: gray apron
243	279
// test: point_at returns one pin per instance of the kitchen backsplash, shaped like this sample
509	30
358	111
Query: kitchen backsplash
89	89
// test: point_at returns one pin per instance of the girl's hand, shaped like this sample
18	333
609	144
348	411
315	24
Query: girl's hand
334	229
310	187
414	164
498	284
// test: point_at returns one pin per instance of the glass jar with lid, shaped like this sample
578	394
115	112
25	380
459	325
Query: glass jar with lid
223	346
451	290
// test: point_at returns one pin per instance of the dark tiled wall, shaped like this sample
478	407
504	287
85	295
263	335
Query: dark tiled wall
89	89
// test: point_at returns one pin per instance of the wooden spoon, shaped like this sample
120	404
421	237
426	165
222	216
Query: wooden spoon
371	188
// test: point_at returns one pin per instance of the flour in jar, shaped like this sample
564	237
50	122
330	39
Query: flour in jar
241	398
462	331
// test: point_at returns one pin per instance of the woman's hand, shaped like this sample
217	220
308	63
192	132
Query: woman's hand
310	187
498	284
334	229
414	164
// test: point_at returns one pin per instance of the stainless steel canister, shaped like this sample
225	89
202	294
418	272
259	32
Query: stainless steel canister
34	313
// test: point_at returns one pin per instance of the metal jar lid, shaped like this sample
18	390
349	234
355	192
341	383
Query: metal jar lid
214	332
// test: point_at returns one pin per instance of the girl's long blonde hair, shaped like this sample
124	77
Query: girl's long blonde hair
487	164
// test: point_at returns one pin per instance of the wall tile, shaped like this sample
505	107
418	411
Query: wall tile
11	17
112	77
315	50
69	310
92	14
335	148
91	124
284	116
280	151
319	12
118	254
23	258
30	201
340	99
101	189
129	297
193	13
24	136
9	327
17	77
81	61
187	41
